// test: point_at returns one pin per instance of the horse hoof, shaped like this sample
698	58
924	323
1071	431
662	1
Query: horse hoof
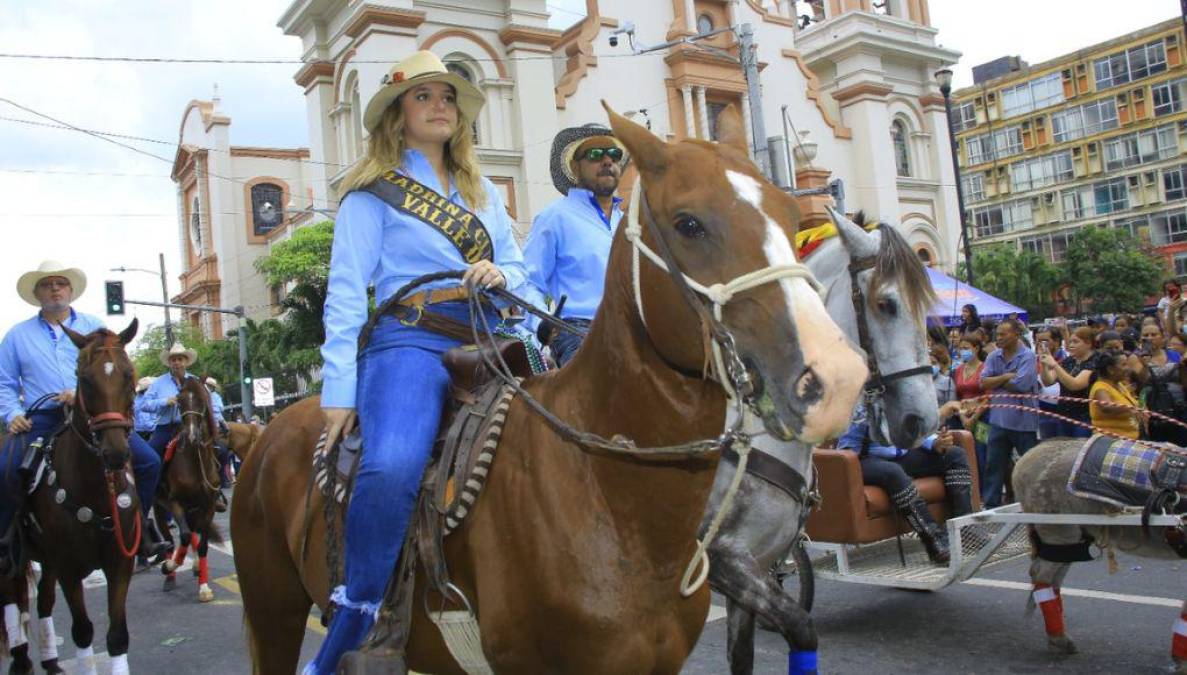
51	667
205	594
372	663
194	569
168	567
1061	645
170	583
21	666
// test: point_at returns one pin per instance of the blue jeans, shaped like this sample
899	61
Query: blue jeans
1049	427
564	345
146	466
401	392
997	460
1073	430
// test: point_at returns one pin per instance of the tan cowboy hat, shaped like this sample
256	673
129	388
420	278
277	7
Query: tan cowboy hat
143	383
421	67
50	268
213	384
178	348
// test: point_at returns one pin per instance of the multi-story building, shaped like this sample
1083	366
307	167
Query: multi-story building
855	75
231	200
1096	137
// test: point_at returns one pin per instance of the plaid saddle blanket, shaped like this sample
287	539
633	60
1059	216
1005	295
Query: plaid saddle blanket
1124	473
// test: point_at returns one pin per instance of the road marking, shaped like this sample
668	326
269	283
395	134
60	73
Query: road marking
1081	593
715	613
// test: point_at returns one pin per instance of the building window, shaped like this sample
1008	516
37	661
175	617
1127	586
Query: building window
1076	202
1034	95
1168	98
196	229
1142	147
1173	181
924	257
1168	227
465	74
987	221
973	186
1085	120
704	24
357	142
1037	246
1000	218
267	208
1132	64
1059	242
902	160
1000	144
1041	171
1110	196
1180	264
964	117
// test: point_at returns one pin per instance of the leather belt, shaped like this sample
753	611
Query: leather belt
436	295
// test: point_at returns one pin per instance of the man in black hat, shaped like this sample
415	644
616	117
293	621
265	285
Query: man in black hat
569	247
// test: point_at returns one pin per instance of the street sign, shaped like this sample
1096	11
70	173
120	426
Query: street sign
261	392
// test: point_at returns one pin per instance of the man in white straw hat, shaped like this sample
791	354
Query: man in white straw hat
38	377
569	247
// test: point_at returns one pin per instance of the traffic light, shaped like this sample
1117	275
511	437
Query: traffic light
115	297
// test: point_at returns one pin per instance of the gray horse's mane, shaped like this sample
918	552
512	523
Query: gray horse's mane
897	263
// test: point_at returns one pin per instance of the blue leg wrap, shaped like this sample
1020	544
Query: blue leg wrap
801	663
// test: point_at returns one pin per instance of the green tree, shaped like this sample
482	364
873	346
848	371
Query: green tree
302	264
1108	268
1022	278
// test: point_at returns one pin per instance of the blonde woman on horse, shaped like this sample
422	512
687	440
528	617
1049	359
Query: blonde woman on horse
415	195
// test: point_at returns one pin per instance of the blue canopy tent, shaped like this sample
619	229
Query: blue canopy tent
955	294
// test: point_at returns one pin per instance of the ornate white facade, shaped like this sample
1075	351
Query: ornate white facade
857	78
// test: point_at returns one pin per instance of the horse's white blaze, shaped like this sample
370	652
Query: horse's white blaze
840	369
108	368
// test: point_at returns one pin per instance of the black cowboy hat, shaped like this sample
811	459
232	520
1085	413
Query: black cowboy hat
566	143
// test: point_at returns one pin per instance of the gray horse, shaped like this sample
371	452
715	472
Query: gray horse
1040	483
765	519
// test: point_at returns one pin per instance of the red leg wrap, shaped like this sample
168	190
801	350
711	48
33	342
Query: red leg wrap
1179	641
179	555
203	571
194	540
1051	603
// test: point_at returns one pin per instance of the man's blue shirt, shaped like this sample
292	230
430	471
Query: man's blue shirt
216	406
162	389
568	250
859	428
36	360
143	419
1025	381
375	245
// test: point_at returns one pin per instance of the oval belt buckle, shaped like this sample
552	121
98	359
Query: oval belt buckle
420	310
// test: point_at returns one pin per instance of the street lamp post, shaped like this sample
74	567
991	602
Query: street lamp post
944	78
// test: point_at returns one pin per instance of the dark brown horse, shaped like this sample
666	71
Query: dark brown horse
85	514
191	479
573	558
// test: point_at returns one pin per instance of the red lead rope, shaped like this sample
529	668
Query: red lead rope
116	522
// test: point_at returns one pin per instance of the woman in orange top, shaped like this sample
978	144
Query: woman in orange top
1112	386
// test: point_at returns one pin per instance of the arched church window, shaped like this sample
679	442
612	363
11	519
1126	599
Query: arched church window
898	134
704	24
196	228
267	208
467	75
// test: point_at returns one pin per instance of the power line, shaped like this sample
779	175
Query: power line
264	61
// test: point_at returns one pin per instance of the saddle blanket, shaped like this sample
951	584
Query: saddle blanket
1123	472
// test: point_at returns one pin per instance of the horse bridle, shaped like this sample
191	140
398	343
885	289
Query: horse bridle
875	385
100	422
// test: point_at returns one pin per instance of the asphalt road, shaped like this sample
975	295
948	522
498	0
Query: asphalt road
1123	625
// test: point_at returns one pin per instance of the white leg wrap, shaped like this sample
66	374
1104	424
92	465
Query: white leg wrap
86	661
47	639
119	665
13	626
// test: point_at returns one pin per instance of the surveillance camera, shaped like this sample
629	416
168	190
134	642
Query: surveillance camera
627	27
613	40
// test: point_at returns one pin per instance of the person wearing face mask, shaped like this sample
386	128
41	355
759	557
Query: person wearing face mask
1112	386
968	391
1162	391
1010	370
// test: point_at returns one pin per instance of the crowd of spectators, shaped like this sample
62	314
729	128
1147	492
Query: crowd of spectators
1073	371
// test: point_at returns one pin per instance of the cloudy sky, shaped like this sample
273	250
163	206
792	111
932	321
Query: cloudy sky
96	205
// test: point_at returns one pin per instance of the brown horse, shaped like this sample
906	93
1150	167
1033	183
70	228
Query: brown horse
573	558
242	437
191	479
85	512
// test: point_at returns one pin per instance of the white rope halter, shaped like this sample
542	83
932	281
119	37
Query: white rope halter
719	295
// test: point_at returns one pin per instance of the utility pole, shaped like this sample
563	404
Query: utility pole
165	299
758	128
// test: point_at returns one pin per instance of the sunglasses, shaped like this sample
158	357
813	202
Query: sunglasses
596	154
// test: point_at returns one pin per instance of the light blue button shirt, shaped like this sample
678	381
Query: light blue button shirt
375	245
143	419
161	390
216	406
568	250
35	361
